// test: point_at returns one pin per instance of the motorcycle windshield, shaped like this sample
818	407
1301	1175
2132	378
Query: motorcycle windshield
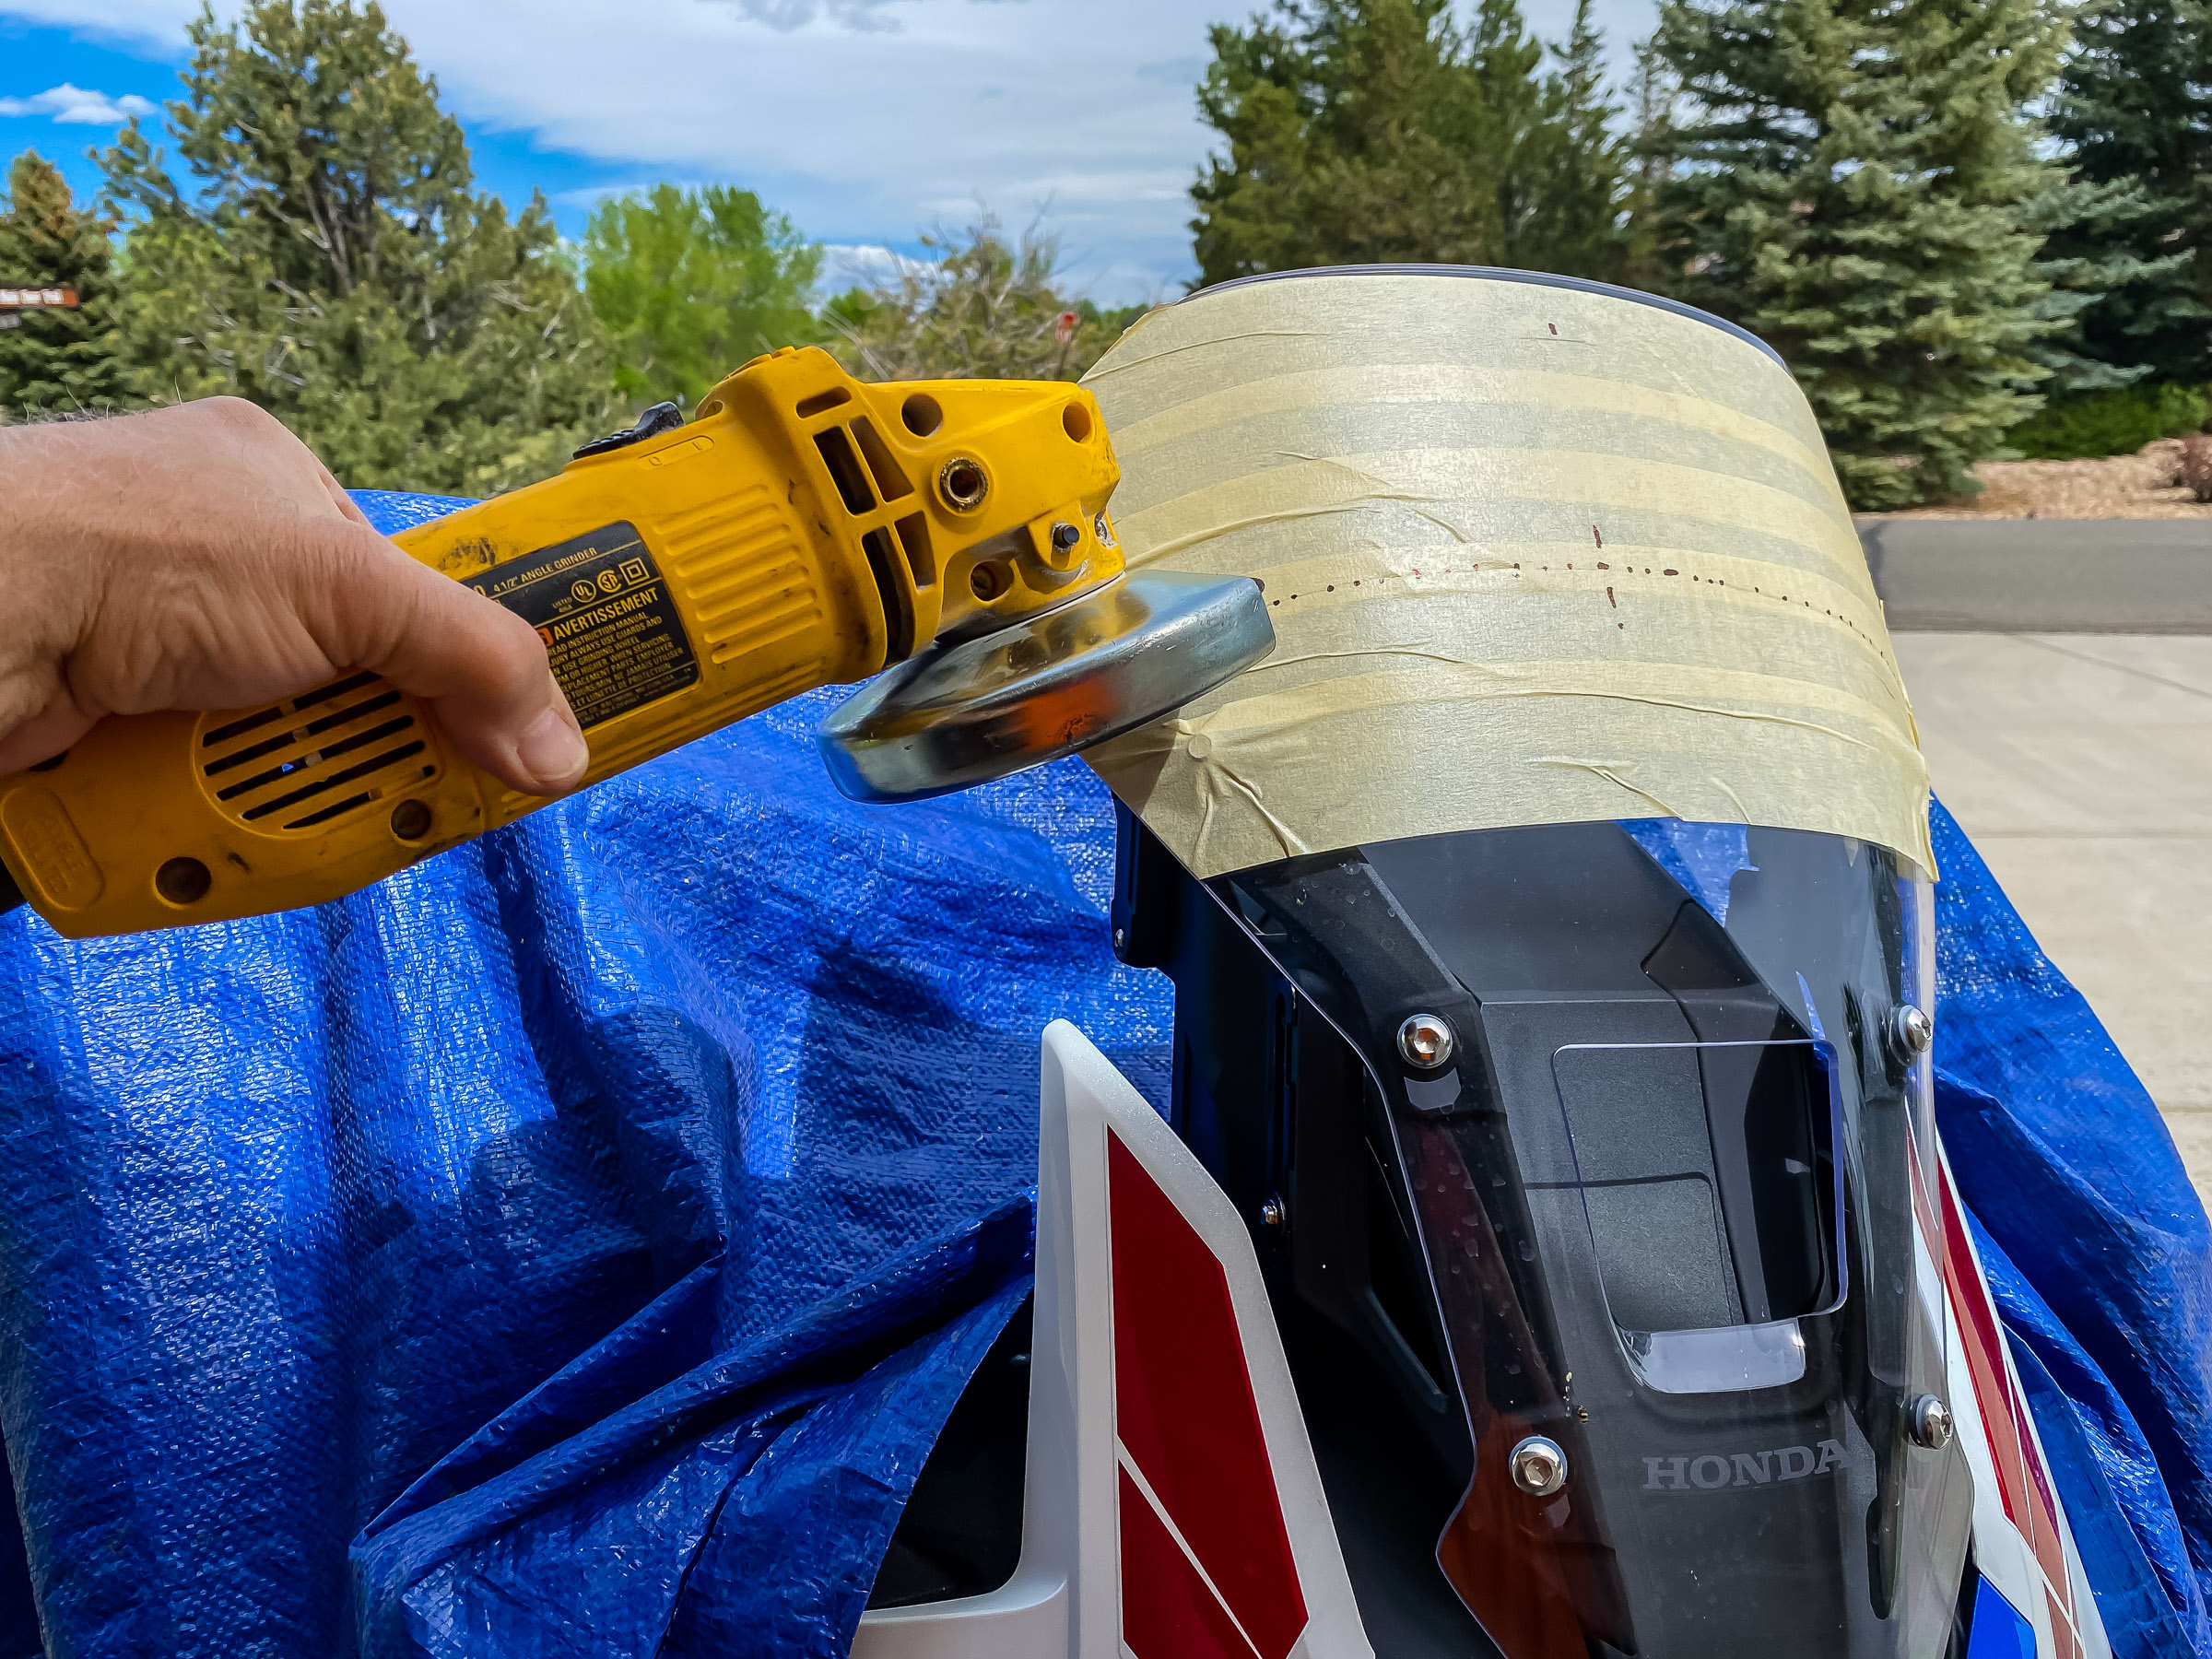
1670	1185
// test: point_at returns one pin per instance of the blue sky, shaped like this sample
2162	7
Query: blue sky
866	120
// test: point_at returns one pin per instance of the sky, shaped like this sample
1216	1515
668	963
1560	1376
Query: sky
867	121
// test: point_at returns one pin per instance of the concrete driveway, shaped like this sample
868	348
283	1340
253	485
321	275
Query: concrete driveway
2079	758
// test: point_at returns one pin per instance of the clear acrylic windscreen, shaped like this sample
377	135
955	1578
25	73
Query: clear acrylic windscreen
1676	1218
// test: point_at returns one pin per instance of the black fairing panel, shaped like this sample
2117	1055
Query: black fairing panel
1668	1155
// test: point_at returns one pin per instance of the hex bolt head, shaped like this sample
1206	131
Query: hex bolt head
1539	1467
1425	1041
1911	1031
1273	1214
1930	1423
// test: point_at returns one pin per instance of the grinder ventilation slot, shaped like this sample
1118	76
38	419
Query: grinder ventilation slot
308	762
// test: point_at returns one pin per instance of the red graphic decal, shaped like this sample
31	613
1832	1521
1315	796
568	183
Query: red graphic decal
1167	1611
1183	1407
2023	1486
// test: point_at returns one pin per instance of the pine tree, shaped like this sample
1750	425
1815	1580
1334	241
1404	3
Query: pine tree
1848	183
333	261
1372	131
1585	189
2134	112
691	284
56	360
1652	92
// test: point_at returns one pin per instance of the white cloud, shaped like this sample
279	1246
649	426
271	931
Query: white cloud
867	121
868	16
846	264
79	106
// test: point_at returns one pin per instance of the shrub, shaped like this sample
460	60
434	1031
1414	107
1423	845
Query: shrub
2115	422
2192	466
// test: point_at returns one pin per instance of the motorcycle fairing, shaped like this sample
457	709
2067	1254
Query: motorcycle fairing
1171	1508
1080	1593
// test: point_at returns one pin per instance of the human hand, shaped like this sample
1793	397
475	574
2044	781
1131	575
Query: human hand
201	558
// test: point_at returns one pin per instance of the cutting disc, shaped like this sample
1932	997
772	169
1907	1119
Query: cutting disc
1126	654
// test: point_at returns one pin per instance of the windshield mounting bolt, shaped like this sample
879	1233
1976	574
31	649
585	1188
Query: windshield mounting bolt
1912	1031
1425	1041
1539	1466
1931	1423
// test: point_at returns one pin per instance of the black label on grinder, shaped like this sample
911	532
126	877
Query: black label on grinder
602	606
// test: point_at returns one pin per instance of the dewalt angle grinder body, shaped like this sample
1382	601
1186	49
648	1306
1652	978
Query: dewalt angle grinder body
802	530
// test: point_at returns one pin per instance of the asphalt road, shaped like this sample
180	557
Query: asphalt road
2132	576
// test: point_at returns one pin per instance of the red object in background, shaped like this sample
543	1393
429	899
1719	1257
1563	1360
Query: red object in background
37	299
1065	329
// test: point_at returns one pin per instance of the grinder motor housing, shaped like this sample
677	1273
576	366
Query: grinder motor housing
803	529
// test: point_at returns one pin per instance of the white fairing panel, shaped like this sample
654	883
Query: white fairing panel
1172	1509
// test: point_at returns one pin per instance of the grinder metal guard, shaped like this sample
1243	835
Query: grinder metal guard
804	529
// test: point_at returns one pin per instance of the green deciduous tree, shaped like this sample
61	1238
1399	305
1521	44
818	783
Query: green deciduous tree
332	261
56	361
691	284
974	305
1849	180
1364	131
2134	112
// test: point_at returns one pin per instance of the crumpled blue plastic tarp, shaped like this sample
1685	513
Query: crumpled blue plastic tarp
590	1227
574	1244
2103	1261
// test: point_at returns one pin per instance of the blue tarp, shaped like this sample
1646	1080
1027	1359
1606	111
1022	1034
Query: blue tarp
573	1245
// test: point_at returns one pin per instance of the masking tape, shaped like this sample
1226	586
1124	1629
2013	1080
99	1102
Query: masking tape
1533	555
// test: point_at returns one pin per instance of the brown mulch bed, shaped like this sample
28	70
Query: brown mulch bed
2137	485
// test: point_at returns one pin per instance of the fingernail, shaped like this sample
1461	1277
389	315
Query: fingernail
553	751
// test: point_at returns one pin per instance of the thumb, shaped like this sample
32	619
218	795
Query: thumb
478	665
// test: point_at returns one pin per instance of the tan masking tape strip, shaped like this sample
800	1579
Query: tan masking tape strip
1457	490
1319	777
1487	323
1728	693
1332	581
1454	383
1290	430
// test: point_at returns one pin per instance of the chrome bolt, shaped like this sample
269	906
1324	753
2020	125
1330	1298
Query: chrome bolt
1425	1041
1931	1423
1272	1215
1121	940
1912	1031
1104	532
1539	1466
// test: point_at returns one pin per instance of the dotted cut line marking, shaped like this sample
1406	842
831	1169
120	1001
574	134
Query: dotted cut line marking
1475	565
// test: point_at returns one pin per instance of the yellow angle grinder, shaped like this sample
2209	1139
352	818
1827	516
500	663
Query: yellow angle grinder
803	529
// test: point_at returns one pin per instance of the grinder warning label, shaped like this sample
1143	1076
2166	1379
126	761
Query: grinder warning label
602	607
